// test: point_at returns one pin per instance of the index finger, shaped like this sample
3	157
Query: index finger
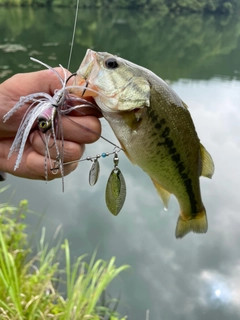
23	84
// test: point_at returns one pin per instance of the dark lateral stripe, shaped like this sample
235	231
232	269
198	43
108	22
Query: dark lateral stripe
164	131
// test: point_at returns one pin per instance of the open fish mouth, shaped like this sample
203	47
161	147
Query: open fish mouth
82	88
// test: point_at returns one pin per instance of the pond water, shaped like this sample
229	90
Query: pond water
197	277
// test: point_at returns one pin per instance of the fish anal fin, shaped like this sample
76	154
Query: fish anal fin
163	193
207	163
198	224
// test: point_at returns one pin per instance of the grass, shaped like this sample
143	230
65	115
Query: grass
27	284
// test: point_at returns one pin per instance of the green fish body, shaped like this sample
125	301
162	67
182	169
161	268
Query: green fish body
155	130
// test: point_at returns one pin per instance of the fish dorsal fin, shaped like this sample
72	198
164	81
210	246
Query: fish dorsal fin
135	95
207	163
164	194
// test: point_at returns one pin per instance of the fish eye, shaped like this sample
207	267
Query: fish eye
111	63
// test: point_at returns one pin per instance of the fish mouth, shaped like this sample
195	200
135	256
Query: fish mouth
83	84
82	89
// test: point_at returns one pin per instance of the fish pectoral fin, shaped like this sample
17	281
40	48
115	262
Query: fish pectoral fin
130	119
163	193
135	95
207	163
133	118
198	224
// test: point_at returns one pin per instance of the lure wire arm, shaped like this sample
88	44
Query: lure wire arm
116	150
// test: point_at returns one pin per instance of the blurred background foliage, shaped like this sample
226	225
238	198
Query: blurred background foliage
165	6
192	46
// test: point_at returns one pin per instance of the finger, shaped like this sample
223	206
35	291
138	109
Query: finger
19	85
39	81
7	164
69	150
86	111
37	167
85	129
33	163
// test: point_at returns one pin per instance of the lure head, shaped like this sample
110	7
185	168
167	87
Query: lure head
46	118
44	124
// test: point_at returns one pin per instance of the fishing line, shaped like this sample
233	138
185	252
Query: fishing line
73	36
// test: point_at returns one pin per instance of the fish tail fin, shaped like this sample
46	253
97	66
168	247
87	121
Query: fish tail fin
198	224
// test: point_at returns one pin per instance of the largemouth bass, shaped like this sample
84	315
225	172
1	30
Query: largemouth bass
155	130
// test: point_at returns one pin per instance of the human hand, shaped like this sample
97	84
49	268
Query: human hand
75	135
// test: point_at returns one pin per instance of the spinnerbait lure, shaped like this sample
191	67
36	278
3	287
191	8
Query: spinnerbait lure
46	111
